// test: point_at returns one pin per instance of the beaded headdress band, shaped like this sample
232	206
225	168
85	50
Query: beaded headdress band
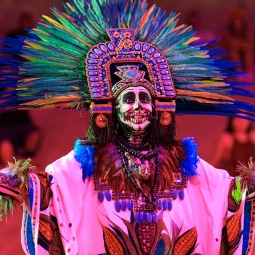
123	58
84	56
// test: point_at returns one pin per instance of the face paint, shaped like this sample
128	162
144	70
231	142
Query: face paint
134	106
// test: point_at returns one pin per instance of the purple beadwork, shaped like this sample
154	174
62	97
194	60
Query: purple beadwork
100	196
130	205
170	205
124	48
108	195
117	205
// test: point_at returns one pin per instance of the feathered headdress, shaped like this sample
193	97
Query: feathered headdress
52	67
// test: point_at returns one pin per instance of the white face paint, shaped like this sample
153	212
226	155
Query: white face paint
134	108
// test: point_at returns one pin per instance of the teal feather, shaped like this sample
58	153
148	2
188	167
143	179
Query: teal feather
60	45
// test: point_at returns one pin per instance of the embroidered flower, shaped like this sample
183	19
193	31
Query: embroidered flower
116	34
127	34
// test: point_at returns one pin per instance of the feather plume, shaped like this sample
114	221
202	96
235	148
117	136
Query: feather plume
14	188
52	59
247	174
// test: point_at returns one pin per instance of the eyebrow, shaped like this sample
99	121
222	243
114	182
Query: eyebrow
145	93
130	93
141	93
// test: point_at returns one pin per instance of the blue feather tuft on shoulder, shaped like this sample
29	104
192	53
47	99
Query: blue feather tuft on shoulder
84	154
189	164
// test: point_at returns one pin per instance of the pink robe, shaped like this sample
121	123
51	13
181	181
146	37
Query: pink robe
81	218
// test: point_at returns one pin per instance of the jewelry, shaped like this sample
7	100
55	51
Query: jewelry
138	146
101	120
165	118
137	153
151	204
143	169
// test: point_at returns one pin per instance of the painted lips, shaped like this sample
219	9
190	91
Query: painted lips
137	117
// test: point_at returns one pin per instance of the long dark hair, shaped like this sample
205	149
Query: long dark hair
239	15
230	128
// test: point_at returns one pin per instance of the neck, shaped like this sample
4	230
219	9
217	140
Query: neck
135	138
131	136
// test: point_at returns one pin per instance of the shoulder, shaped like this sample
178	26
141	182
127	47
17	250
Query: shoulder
84	153
205	168
226	140
64	163
210	175
66	171
65	175
252	136
210	187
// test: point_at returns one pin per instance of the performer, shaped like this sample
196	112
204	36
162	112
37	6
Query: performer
235	144
129	186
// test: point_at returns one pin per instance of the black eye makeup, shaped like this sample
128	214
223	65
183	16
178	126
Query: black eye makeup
144	97
129	98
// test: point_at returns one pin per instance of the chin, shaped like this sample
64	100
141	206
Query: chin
140	127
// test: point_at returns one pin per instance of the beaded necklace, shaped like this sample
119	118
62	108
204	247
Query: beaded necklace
138	146
136	153
150	202
145	202
126	199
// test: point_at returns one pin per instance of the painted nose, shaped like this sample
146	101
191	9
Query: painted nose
138	105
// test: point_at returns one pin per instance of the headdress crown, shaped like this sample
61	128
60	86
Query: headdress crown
167	59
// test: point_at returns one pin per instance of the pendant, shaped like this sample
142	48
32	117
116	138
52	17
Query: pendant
144	171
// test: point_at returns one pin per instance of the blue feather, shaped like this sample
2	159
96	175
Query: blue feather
189	164
84	154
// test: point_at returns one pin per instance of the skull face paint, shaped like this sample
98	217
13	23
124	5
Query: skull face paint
134	106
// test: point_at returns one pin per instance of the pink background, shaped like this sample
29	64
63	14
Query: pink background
60	128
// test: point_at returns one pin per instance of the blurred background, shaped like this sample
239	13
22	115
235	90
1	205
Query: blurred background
58	129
